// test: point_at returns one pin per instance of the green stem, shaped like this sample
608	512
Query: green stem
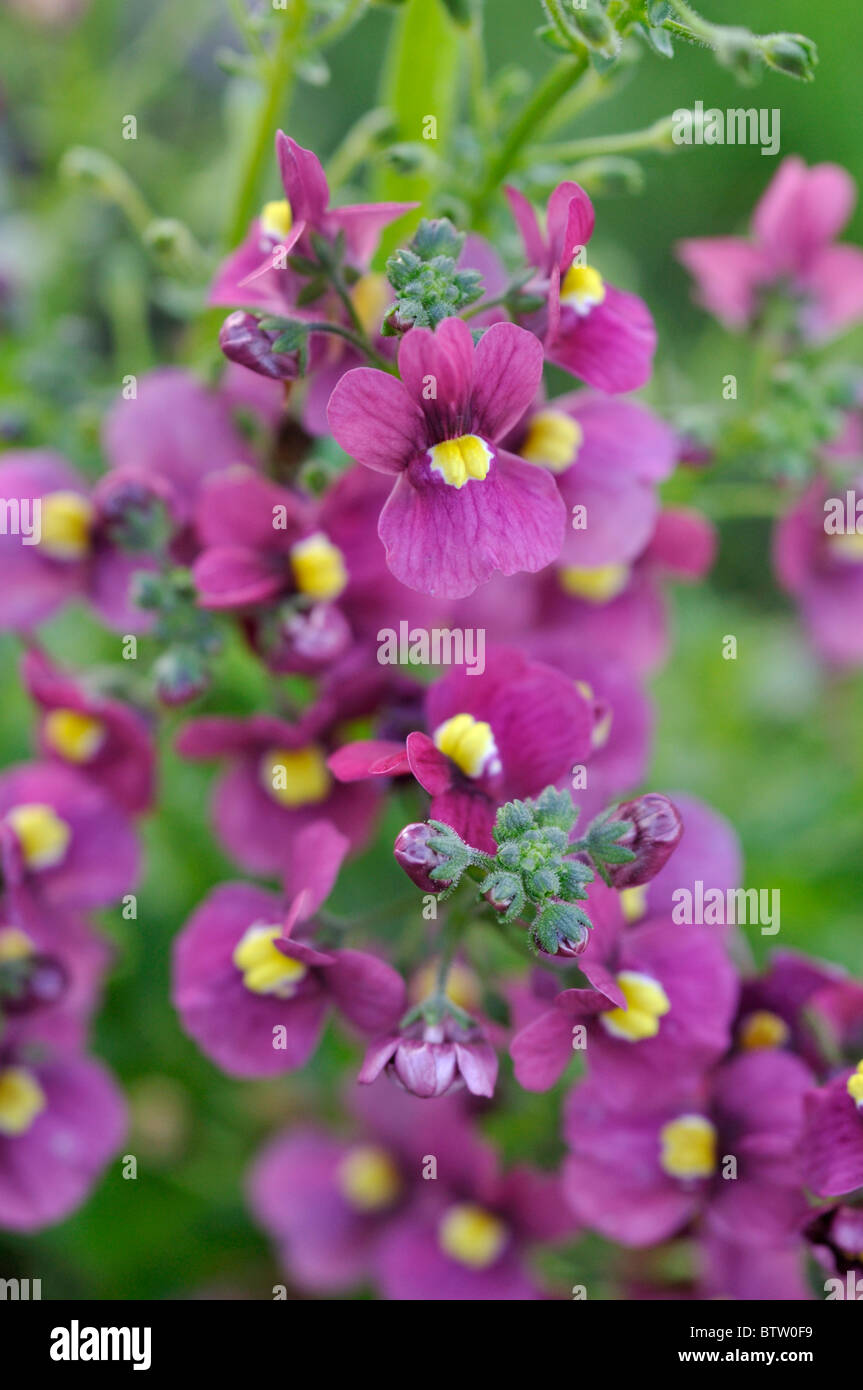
357	340
653	137
279	77
549	92
353	11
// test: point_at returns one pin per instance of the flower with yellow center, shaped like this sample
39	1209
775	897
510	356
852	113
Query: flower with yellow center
67	522
77	737
296	776
319	567
15	944
763	1029
634	902
371	297
265	970
646	1002
458	461
582	288
368	1179
471	1235
469	743
21	1100
855	1086
688	1147
277	218
553	440
43	836
598	584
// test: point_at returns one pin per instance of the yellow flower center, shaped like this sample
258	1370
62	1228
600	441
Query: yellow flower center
848	546
553	440
319	567
762	1029
15	944
469	743
370	297
75	736
855	1086
688	1147
43	836
646	1002
277	218
459	460
473	1236
634	902
583	288
67	520
599	584
263	967
21	1100
296	776
368	1179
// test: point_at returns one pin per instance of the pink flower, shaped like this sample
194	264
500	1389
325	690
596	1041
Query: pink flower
461	506
793	231
599	333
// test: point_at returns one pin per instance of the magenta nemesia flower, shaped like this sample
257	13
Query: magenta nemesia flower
51	968
638	1177
61	1120
62	839
251	987
462	506
508	732
278	781
793	231
308	575
661	1014
327	1201
824	573
599	333
109	742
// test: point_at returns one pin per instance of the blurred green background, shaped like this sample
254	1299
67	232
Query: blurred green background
770	740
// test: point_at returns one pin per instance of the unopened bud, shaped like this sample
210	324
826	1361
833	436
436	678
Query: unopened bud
243	340
655	828
416	856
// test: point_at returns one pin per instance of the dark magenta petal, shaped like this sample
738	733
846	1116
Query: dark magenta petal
374	419
507	374
368	991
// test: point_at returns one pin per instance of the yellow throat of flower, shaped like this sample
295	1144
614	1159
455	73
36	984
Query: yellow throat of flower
21	1100
67	521
469	743
75	736
277	218
688	1147
855	1086
368	1179
263	967
599	584
471	1235
370	297
15	944
458	461
634	902
318	567
582	289
553	440
646	1002
43	836
762	1029
296	776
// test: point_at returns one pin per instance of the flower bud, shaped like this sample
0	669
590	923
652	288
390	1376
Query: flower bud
430	1059
655	829
793	54
243	340
417	858
180	675
32	983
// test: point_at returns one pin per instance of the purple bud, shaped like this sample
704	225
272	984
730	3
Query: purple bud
243	340
180	675
430	1059
417	858
655	829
